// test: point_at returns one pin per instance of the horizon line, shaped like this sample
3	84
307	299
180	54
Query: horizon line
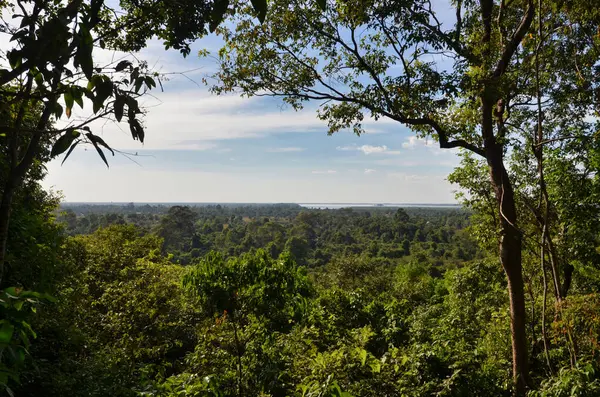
254	202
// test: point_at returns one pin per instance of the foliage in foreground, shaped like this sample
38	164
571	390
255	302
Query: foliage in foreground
128	322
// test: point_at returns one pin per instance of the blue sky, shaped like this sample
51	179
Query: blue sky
204	148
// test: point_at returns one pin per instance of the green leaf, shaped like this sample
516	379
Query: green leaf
21	34
362	354
260	6
122	66
97	105
12	292
39	79
118	107
69	100
137	132
95	80
14	58
58	110
375	366
150	83
96	140
84	60
28	328
218	13
77	96
18	353
37	295
322	4
70	150
63	142
83	56
6	332
104	89
101	154
138	84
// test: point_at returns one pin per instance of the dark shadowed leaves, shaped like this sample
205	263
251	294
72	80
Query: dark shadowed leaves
70	151
218	13
122	66
64	142
97	142
119	104
260	6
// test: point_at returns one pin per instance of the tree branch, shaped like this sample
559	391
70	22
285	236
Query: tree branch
443	136
515	40
448	40
487	7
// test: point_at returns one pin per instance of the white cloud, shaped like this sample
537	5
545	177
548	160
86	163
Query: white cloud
418	178
369	170
194	145
413	142
449	160
86	178
285	149
368	149
194	115
375	131
325	172
170	63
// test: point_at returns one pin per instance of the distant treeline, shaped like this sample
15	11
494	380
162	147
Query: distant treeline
314	236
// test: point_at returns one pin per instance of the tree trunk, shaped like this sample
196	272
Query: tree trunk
510	258
14	179
5	206
567	280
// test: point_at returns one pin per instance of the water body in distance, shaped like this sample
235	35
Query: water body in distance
333	206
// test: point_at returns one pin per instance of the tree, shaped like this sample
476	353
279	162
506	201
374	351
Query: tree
253	295
177	228
52	66
468	81
121	315
298	248
401	216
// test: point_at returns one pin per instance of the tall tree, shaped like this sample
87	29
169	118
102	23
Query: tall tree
177	228
53	65
461	73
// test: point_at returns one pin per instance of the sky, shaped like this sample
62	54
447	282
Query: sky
201	147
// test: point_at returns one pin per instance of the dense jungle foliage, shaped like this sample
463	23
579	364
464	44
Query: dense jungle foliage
280	300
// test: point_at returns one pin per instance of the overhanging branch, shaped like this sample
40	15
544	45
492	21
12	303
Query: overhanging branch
443	136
